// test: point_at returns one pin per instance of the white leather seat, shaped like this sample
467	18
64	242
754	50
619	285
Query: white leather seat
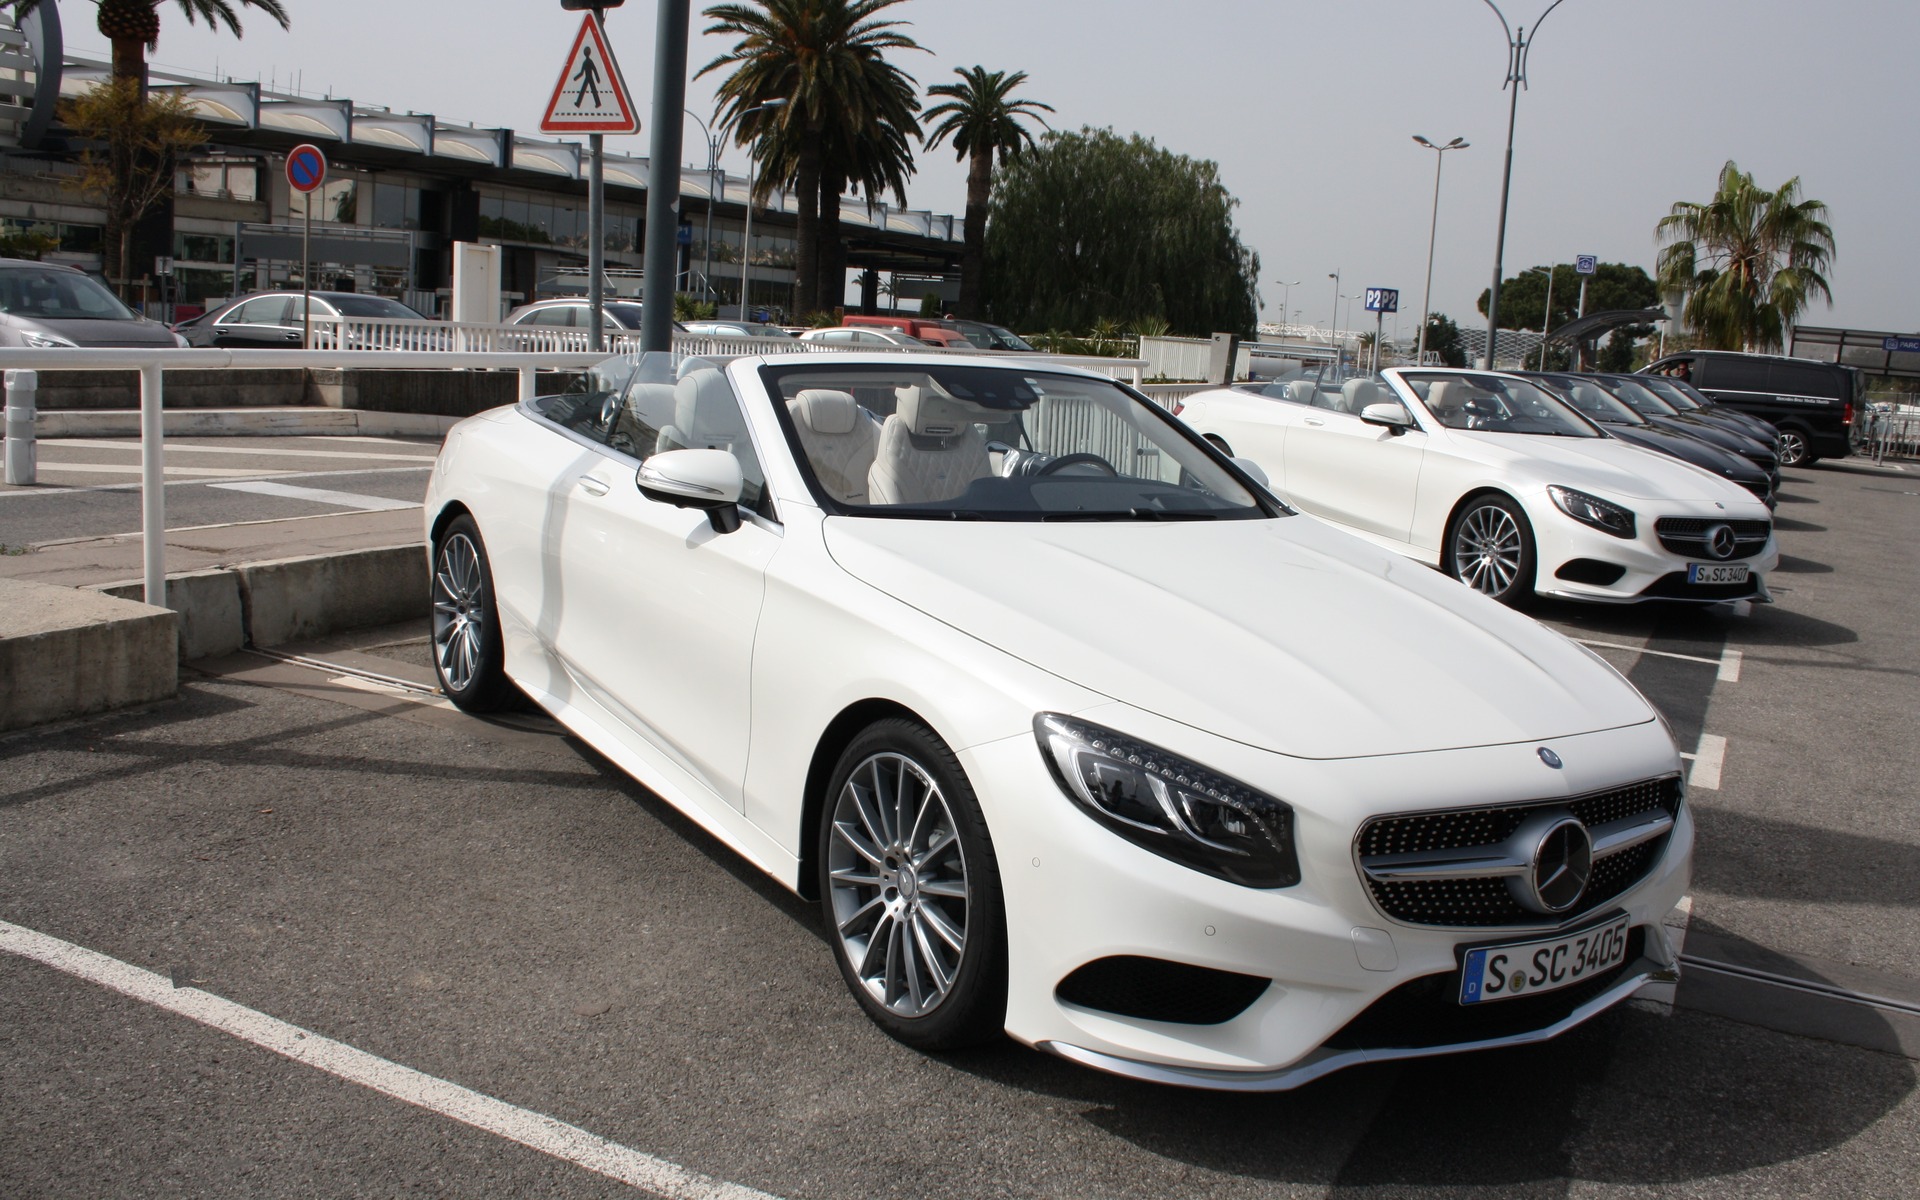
1302	391
1358	393
706	415
1448	401
929	451
840	440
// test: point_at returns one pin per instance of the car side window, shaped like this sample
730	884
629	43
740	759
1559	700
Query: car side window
267	310
590	406
707	415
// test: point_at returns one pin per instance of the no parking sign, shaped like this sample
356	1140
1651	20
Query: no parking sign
306	168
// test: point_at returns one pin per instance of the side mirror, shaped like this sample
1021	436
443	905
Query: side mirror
1253	471
705	479
1389	414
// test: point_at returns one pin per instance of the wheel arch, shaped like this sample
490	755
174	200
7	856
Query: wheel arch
452	512
834	739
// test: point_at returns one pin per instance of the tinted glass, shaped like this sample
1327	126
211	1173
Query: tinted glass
267	310
372	306
1591	400
1635	395
628	315
1731	374
1805	379
51	294
998	445
1497	404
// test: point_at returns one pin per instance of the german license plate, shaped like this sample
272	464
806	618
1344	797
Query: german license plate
1717	572
1523	968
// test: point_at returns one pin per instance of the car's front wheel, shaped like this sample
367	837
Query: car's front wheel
1490	549
468	654
910	890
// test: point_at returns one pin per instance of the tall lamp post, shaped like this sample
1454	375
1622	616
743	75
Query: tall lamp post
1433	227
1286	289
746	233
1518	43
713	175
1333	322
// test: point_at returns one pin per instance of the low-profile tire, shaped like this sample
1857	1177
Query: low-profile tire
910	890
468	655
1796	448
1490	549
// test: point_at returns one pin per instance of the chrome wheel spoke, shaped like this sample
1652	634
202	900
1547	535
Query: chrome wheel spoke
846	833
943	928
946	838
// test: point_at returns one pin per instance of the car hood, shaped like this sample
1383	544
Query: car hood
93	335
1689	449
1609	467
1283	634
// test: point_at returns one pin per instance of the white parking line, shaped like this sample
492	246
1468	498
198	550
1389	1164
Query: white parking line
319	496
1729	666
568	1143
176	448
1708	757
135	469
40	492
1712	662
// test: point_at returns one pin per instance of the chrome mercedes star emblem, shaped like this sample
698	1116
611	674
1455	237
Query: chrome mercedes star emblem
1721	542
1562	864
1550	758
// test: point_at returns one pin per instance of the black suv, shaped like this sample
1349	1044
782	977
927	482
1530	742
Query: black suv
1811	403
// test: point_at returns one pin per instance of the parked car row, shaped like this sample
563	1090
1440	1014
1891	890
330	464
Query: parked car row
1075	732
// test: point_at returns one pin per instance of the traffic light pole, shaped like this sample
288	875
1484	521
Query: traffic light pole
663	175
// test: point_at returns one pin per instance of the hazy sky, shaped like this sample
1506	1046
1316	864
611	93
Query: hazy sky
1308	107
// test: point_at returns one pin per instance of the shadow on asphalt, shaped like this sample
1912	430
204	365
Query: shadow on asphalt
1767	859
1789	525
1790	565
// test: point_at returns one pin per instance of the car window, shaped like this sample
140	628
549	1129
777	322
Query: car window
835	335
627	316
996	445
1738	375
557	316
266	310
590	404
1640	398
1803	379
1496	404
1591	400
52	294
373	306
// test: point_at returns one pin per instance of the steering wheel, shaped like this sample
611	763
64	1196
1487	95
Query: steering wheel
1082	459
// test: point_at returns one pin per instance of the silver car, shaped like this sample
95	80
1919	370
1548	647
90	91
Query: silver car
44	304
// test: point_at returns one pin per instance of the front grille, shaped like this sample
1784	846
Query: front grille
1154	989
1471	903
1427	1011
1687	536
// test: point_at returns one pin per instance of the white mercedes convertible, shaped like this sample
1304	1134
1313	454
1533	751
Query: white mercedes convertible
1071	729
1500	484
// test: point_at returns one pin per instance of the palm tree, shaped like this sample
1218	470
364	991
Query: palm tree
982	122
1749	260
826	60
134	25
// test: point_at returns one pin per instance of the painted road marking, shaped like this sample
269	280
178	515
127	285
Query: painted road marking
319	496
176	448
135	469
1712	662
18	492
1729	666
1708	758
568	1143
1659	996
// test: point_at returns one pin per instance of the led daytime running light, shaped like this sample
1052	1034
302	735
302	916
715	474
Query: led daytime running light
1603	515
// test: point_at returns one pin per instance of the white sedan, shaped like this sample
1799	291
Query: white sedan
1072	731
1499	484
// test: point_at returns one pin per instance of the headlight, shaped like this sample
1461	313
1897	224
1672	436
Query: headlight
1175	808
46	341
1603	515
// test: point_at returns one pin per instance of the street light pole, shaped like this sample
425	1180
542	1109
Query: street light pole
1433	228
713	171
1333	322
746	233
1546	320
1286	290
1518	43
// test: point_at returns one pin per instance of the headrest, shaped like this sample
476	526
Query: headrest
1360	393
1302	391
1445	395
929	414
824	410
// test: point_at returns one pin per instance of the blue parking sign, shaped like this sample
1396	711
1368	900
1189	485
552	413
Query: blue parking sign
1586	264
1383	300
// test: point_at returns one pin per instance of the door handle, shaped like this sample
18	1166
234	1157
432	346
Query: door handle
592	486
1316	422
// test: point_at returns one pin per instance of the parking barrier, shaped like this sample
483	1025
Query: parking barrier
1891	432
22	457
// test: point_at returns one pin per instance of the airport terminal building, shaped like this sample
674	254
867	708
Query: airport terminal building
402	188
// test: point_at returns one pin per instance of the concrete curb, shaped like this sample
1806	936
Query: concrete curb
291	599
242	422
67	653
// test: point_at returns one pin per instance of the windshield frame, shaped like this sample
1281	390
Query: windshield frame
1406	378
772	372
1619	384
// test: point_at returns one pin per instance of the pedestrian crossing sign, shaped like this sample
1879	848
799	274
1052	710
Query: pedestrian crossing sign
591	97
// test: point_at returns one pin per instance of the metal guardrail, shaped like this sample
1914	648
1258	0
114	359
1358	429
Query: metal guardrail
1889	432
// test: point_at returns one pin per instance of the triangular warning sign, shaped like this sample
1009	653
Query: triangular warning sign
591	97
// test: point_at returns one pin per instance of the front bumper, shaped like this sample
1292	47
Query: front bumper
1077	894
1568	561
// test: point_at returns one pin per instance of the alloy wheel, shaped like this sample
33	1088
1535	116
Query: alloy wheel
898	880
459	612
1487	550
1793	448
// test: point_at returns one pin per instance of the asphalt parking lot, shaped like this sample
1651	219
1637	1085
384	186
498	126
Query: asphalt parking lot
493	906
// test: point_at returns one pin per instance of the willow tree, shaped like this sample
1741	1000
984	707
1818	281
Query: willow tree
1091	225
1748	260
984	122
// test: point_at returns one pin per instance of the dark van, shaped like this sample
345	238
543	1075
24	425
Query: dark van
1811	403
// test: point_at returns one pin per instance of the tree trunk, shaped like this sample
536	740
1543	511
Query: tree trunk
130	61
833	272
973	258
806	252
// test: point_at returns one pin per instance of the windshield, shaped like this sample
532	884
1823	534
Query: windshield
976	443
1593	401
1676	394
1319	384
52	294
1638	398
1496	404
371	306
